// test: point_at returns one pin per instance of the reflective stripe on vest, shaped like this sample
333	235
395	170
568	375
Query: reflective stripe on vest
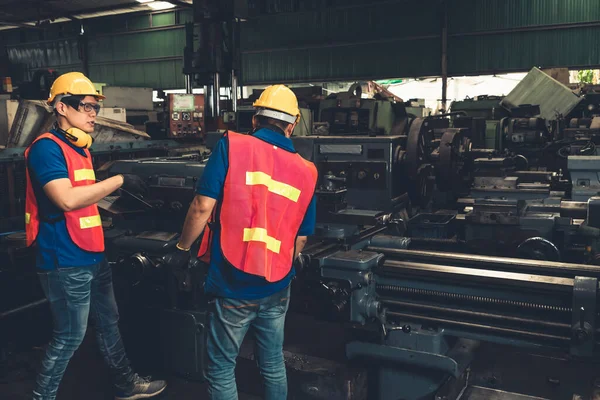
83	225
261	235
266	194
280	188
90	222
84	175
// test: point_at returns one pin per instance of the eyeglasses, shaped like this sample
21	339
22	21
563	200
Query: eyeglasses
80	105
88	107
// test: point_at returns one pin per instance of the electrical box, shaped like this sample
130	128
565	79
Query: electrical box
186	115
129	98
117	114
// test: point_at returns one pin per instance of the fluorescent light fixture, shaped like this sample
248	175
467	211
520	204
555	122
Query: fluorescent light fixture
160	5
144	1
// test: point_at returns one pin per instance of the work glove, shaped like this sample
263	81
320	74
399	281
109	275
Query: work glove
300	264
134	184
177	259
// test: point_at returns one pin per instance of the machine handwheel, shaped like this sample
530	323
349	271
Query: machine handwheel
453	149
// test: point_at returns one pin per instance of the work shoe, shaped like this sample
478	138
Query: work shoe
143	388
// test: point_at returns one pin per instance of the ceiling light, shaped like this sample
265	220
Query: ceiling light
160	5
144	1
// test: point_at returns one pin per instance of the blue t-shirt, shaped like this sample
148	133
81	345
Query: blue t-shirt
223	280
55	247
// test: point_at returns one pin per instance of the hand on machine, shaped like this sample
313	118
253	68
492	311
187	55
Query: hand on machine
178	259
134	184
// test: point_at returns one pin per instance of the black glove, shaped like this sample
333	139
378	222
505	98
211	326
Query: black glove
300	263
134	184
177	259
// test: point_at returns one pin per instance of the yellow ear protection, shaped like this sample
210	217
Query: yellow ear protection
78	137
75	135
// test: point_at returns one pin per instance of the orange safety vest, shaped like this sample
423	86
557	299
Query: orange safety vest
84	225
266	194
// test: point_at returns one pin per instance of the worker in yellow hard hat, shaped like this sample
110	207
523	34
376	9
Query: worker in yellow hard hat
266	210
62	218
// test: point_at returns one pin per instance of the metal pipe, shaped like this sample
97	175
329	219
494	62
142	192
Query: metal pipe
445	56
24	308
487	328
216	95
188	84
208	106
459	297
493	263
234	91
371	232
476	314
463	275
448	114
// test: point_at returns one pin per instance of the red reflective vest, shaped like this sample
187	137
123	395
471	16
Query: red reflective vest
84	225
266	194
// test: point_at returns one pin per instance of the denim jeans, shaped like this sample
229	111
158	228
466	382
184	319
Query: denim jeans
74	294
228	323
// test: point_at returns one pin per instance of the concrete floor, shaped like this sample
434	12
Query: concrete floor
86	378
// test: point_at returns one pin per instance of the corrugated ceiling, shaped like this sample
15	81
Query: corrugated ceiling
30	12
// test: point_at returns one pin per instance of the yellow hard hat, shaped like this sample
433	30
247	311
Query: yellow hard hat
279	102
73	83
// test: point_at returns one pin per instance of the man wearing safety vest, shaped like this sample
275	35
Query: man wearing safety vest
62	219
263	191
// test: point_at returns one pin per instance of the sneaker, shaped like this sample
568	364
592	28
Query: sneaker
143	388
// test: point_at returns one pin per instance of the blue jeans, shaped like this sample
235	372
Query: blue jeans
228	324
74	294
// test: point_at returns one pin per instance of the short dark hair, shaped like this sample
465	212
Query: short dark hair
265	121
71	101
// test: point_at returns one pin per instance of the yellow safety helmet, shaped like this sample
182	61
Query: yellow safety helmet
278	102
75	84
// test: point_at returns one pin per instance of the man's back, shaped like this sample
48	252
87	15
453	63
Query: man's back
223	279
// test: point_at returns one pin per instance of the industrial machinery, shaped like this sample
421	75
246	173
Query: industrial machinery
447	270
186	116
425	322
348	113
427	315
420	307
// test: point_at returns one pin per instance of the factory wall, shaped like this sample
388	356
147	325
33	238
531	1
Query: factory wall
381	39
128	50
388	39
292	41
487	36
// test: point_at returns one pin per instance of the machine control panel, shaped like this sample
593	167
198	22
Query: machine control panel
186	115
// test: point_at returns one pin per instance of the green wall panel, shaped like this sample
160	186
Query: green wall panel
337	40
515	35
367	61
163	19
139	22
99	26
159	74
185	16
122	49
487	15
370	22
388	39
520	51
135	46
